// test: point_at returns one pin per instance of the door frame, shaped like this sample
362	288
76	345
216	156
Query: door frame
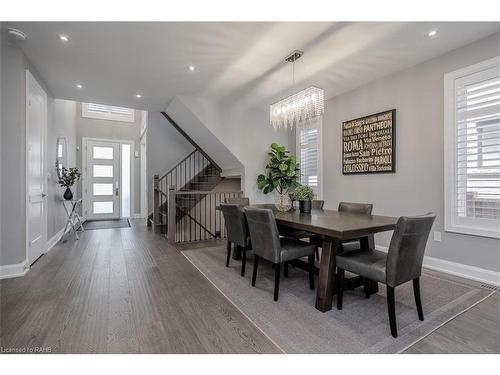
30	79
84	194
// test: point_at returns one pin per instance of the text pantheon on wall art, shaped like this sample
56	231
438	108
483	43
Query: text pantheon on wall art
369	144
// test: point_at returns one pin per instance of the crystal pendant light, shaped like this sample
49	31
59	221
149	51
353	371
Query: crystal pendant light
299	108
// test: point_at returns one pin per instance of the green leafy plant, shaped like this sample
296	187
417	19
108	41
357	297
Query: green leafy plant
282	171
303	193
68	177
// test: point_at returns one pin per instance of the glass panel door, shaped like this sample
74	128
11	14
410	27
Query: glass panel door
102	187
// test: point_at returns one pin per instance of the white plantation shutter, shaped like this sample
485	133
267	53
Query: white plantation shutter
474	202
108	112
308	153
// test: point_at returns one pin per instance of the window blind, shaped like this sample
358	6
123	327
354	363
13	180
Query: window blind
308	152
108	112
477	149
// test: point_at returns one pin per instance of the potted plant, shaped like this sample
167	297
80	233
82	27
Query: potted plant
282	171
304	194
68	178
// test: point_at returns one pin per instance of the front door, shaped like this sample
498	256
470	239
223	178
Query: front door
36	122
102	180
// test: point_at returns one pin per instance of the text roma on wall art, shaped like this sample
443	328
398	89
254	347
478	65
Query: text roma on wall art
369	144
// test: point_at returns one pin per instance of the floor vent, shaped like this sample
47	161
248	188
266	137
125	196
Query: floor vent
490	287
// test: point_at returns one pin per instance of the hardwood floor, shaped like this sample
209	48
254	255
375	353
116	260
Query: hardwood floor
121	291
127	291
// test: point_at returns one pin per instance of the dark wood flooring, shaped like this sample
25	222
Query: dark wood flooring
128	291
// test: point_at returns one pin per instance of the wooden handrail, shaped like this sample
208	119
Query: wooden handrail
190	140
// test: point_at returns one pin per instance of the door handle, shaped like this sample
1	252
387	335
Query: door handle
116	192
44	195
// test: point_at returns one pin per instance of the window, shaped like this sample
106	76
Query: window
472	150
107	112
309	155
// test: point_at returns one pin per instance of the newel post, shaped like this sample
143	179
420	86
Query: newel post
172	211
156	204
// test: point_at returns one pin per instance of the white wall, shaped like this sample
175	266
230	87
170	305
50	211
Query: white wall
245	133
418	184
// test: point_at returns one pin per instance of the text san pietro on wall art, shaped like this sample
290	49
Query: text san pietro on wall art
369	144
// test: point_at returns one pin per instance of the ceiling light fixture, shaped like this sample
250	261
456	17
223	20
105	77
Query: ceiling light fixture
17	34
138	96
299	108
79	86
191	67
63	37
432	33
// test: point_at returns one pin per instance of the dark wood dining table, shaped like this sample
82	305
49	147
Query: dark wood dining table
332	227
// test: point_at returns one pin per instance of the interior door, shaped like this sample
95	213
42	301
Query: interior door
36	210
103	191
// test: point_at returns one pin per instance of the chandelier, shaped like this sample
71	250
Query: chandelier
299	108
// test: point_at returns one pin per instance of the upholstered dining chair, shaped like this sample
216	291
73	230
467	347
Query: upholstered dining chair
317	204
241	201
268	245
402	263
355	208
237	232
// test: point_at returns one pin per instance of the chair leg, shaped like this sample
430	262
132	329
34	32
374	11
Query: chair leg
391	306
243	261
418	301
228	253
340	288
317	253
311	271
276	281
366	287
285	268
255	265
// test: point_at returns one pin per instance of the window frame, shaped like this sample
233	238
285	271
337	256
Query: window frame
472	226
319	125
109	116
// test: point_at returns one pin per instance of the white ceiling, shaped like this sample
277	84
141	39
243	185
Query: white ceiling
235	61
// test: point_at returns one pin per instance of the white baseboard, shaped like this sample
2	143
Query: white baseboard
54	240
138	216
457	269
13	270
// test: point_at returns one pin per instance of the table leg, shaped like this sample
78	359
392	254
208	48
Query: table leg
326	278
365	243
237	252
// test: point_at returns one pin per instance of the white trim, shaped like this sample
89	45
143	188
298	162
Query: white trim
31	79
132	172
13	270
54	240
108	116
457	269
449	151
137	216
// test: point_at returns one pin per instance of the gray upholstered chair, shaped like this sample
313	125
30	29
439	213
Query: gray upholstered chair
237	232
317	204
402	263
241	201
268	245
355	208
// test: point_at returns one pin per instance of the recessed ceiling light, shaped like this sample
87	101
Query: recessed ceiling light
63	37
138	96
18	34
79	86
432	33
191	67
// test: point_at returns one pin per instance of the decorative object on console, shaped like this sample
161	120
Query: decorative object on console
282	171
301	107
68	178
304	194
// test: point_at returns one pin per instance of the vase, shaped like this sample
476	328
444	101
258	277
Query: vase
282	201
68	194
305	206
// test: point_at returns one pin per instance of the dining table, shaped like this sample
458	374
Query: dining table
332	228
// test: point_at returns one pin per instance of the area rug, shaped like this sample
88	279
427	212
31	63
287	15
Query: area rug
362	326
106	224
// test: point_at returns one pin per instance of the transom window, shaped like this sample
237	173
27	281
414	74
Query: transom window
108	112
472	149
